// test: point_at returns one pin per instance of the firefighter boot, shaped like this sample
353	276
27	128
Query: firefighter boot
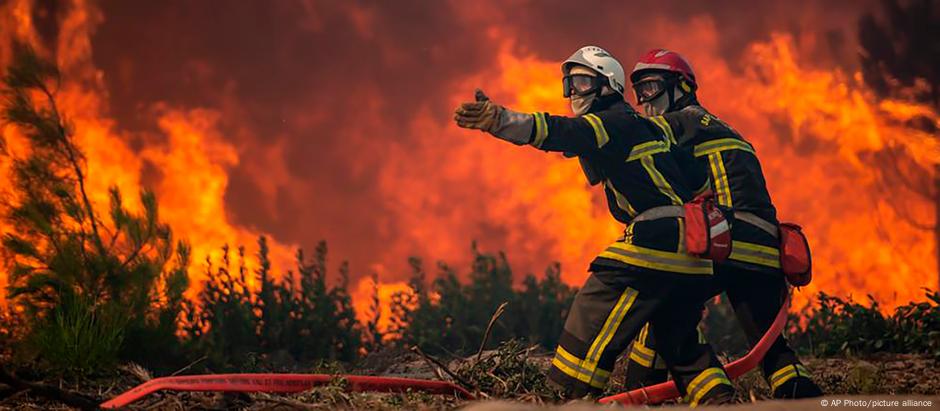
793	381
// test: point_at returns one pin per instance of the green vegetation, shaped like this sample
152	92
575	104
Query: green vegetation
450	316
98	287
84	282
293	321
837	326
92	288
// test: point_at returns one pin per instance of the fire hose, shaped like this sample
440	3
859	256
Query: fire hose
292	383
662	392
282	383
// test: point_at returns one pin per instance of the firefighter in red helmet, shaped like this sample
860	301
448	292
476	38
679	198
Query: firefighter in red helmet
665	85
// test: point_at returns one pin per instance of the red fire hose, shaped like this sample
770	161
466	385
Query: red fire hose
289	383
659	393
282	383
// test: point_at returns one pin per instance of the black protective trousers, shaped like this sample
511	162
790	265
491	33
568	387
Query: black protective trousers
608	313
756	297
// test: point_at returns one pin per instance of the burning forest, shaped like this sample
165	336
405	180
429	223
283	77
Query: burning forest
269	187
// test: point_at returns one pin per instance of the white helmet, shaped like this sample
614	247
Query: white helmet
600	61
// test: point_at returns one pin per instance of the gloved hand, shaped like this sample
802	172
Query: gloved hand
481	114
497	120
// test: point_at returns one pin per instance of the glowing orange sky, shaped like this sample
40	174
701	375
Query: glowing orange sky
322	120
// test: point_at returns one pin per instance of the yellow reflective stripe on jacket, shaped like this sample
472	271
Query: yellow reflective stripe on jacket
616	316
600	134
720	178
541	130
647	149
722	144
704	382
787	373
755	254
675	262
572	366
663	124
660	181
622	201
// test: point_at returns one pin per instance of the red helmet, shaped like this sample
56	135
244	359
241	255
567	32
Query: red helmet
662	59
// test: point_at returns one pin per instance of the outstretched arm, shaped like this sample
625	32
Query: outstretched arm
552	133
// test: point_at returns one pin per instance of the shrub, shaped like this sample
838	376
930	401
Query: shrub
843	326
294	321
79	337
451	316
222	326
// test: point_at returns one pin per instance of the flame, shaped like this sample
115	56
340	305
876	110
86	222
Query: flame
821	168
191	159
819	131
364	293
194	165
862	243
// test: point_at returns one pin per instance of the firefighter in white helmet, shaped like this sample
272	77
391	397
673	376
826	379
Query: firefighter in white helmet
645	275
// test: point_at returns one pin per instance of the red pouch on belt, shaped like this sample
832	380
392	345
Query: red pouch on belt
795	259
707	231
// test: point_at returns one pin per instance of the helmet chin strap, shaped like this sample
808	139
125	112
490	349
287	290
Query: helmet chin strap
681	96
671	92
674	98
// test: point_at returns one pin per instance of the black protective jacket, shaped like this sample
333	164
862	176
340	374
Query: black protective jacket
640	169
736	177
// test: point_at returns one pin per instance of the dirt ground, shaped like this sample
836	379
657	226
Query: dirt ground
832	402
884	377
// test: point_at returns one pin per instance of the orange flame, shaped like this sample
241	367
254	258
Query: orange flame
363	294
862	244
192	160
818	131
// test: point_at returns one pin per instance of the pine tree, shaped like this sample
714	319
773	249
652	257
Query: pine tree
223	326
348	338
373	337
76	272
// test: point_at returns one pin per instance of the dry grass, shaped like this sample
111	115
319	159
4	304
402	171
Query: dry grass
512	372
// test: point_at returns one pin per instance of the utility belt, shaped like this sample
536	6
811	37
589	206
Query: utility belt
707	227
796	261
708	235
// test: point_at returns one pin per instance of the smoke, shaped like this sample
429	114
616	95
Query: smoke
310	120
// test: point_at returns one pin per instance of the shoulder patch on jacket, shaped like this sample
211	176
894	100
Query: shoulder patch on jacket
701	125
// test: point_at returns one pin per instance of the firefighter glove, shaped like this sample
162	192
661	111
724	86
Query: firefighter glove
485	115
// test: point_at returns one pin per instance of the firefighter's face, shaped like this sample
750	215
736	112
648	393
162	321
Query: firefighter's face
581	87
579	82
651	95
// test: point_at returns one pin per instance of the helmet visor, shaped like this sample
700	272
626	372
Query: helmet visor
579	84
649	89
